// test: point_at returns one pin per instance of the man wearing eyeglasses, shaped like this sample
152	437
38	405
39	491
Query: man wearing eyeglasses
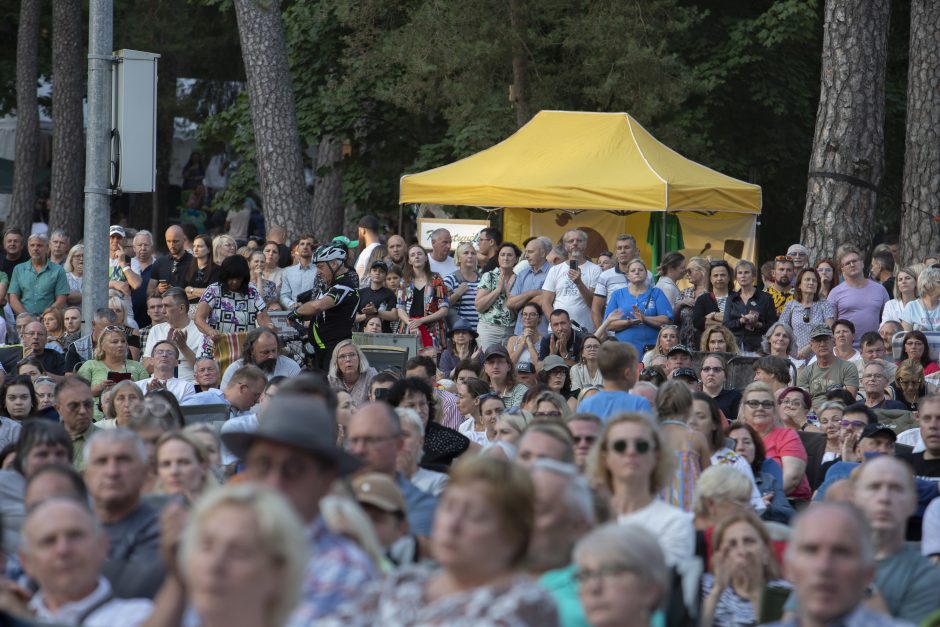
34	338
874	383
856	297
76	406
374	436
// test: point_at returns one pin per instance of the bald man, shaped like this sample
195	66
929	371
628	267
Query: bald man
171	270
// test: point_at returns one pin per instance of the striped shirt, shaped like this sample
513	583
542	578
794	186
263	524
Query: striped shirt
465	307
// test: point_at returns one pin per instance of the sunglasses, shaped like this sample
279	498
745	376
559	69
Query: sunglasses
587	439
856	424
639	445
755	404
806	314
783	258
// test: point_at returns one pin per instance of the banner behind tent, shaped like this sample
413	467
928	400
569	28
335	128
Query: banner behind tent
728	236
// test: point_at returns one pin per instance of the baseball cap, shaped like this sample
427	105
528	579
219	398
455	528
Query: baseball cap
117	229
679	348
684	373
876	429
551	362
378	490
380	265
496	350
820	330
525	367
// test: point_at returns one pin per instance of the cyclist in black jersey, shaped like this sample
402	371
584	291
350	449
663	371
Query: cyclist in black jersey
333	309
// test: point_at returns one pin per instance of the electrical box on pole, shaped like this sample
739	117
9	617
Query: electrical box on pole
134	122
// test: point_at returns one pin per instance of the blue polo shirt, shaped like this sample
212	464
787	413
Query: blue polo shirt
38	290
531	280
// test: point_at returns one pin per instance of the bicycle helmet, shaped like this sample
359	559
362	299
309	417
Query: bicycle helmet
329	252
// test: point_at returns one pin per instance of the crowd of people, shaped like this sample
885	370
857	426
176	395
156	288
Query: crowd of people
574	442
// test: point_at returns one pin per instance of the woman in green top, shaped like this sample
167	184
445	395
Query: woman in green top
497	322
110	356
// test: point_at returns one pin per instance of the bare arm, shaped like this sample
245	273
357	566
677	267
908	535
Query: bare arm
793	469
60	301
202	320
16	304
548	302
519	301
598	305
485	298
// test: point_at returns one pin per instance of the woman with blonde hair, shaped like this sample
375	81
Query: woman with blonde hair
905	292
634	463
923	313
480	537
110	363
743	566
667	337
183	466
509	427
697	273
350	371
253	531
345	517
223	247
74	267
718	339
119	306
462	285
551	406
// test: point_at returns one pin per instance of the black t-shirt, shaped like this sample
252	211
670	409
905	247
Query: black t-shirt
171	270
335	324
728	402
574	344
7	265
383	299
924	468
285	260
52	361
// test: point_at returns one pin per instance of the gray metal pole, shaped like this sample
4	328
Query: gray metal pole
97	159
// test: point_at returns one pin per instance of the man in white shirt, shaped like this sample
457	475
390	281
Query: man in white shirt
441	261
368	240
262	349
71	589
180	330
571	286
165	359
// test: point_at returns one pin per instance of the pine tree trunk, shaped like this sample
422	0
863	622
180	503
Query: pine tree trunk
848	148
920	196
27	117
68	139
273	116
328	189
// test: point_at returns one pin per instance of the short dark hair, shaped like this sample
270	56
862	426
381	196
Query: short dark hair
413	384
777	367
885	258
493	233
845	323
870	337
422	361
861	408
19	379
176	295
37	432
468	364
559	312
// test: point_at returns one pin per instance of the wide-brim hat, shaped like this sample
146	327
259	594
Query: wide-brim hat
462	325
299	421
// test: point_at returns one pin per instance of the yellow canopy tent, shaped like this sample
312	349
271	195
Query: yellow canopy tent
575	161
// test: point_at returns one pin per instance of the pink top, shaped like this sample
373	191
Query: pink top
782	442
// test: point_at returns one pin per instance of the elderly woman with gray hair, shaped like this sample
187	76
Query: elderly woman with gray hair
409	457
622	576
923	313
